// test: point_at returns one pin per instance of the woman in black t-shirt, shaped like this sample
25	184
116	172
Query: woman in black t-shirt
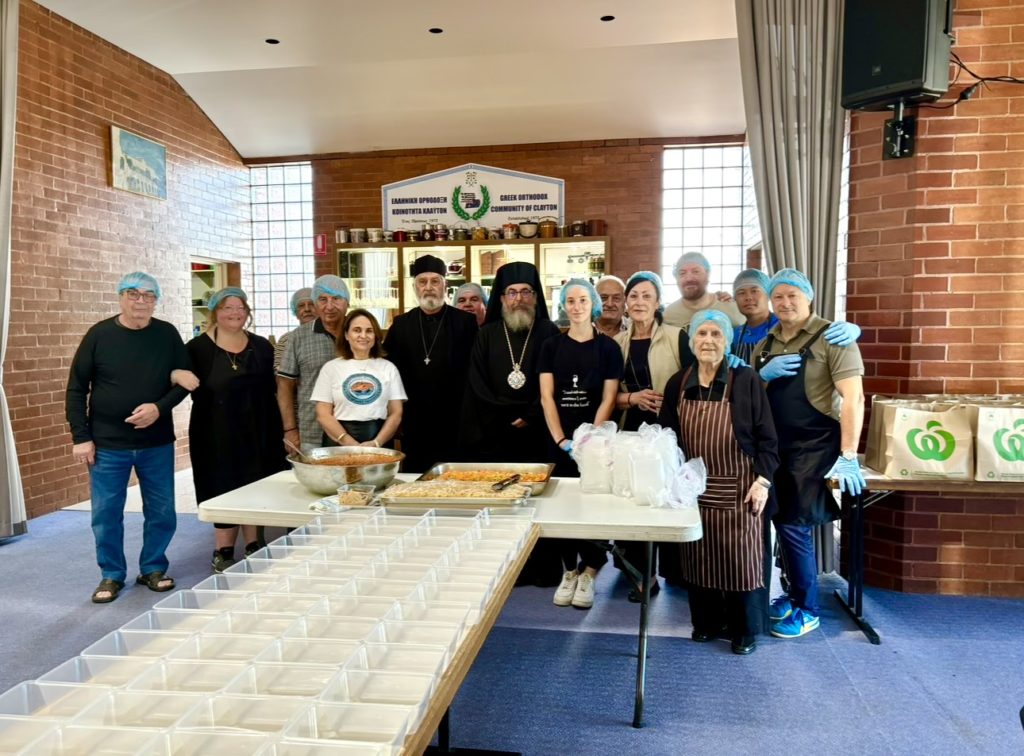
579	378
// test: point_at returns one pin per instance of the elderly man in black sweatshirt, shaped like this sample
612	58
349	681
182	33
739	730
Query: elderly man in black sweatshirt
118	404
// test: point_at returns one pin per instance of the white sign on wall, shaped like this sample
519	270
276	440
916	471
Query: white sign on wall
472	195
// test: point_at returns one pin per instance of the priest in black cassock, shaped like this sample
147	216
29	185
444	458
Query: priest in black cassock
430	346
502	420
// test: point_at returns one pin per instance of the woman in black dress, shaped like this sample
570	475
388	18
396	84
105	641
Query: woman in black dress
235	429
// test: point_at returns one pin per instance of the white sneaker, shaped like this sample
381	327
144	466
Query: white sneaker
565	592
584	596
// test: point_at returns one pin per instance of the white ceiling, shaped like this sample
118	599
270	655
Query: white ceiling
358	75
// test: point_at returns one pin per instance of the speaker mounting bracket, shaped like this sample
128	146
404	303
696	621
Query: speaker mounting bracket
898	136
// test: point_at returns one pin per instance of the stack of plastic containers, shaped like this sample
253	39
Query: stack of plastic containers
330	640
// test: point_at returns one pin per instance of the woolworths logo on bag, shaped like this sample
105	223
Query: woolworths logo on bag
934	443
1009	443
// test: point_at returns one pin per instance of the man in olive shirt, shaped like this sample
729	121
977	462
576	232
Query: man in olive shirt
692	272
118	404
817	398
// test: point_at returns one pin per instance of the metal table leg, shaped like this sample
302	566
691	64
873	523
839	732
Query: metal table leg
641	654
853	603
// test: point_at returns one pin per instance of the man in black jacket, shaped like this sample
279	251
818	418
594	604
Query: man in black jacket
430	346
118	404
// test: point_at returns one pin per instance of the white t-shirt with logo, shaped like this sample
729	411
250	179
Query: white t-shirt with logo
359	389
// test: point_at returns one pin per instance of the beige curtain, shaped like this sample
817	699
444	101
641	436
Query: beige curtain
790	60
790	63
12	496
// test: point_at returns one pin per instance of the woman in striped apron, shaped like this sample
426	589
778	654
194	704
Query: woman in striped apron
722	415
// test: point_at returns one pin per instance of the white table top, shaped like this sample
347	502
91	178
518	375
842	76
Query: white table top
562	511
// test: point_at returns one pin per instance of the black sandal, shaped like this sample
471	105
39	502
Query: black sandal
152	581
113	587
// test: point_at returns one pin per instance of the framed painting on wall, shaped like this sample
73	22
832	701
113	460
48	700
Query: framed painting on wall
138	164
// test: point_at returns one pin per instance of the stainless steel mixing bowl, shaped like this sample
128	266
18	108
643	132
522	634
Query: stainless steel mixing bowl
325	479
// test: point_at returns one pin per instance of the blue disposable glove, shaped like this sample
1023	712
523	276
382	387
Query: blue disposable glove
847	472
567	447
784	365
842	334
734	362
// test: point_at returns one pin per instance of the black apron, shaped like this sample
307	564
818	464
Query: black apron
809	444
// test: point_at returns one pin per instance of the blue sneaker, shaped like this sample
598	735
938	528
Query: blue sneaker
796	624
781	608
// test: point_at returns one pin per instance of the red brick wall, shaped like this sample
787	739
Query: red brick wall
73	236
618	180
936	270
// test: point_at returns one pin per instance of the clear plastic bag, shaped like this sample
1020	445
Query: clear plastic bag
622	446
592	452
654	463
688	483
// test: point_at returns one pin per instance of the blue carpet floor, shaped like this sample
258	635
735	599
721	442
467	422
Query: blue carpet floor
947	679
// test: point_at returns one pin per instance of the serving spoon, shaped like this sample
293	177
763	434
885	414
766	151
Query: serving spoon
302	455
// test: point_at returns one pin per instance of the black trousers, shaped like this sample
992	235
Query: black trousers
580	554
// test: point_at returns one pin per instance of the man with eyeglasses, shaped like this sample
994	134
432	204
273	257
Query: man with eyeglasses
613	320
309	347
118	403
502	418
430	346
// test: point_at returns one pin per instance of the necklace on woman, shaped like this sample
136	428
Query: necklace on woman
231	357
423	338
516	379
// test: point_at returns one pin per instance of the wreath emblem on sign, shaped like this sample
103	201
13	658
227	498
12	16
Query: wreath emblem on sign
485	203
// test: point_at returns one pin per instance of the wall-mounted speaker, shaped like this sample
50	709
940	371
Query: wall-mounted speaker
895	50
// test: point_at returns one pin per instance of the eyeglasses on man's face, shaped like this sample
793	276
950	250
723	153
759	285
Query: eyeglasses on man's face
135	295
519	294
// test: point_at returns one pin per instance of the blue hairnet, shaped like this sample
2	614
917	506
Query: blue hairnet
473	287
140	282
792	277
750	277
689	258
645	275
228	291
595	301
720	319
301	295
332	286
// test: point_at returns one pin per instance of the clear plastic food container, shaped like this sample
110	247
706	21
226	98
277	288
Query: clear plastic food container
380	687
267	714
18	732
188	676
193	743
54	701
237	582
332	628
151	643
290	747
418	633
137	708
374	723
173	620
433	611
279	603
216	647
309	651
256	566
111	671
332	570
260	679
251	623
99	741
207	601
400	657
367	607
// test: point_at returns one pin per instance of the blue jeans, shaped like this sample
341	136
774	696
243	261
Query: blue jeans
797	542
108	479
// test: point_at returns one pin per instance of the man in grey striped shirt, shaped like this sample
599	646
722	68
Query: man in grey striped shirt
309	347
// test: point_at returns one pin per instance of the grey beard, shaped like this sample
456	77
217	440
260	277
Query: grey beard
431	303
518	320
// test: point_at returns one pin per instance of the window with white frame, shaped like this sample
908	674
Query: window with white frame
282	241
707	206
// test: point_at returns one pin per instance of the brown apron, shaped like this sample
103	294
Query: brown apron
729	556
